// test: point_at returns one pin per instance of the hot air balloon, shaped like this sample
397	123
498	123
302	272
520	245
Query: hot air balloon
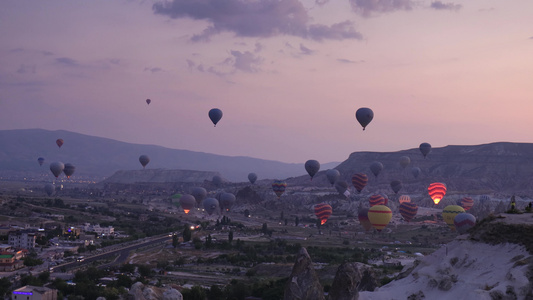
379	216
404	161
364	116
226	201
215	115
463	222
187	202
252	177
362	216
59	142
148	101
396	186
49	189
332	175
359	181
376	200
40	160
376	168
342	187
416	171
217	180
144	160
279	186
199	193
425	148
466	203
449	213
57	168
436	191
312	166
322	212
404	198
408	210
210	205
69	169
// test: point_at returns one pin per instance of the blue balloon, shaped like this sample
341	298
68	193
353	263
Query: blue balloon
215	115
364	116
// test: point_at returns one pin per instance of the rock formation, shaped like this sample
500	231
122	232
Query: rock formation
351	278
303	282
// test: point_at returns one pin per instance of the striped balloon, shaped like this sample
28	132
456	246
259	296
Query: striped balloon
322	212
279	186
404	198
359	181
379	216
362	215
436	191
376	200
408	210
463	222
466	203
449	213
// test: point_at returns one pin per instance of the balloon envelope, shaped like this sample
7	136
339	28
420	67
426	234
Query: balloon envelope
332	175
40	160
362	216
215	115
312	166
144	160
379	216
342	187
425	148
416	171
227	200
396	186
322	212
404	161
376	168
59	142
187	202
404	198
376	200
199	193
217	180
463	222
279	186
364	116
252	177
436	191
210	205
148	101
69	169
359	181
56	168
49	189
408	210
466	203
449	213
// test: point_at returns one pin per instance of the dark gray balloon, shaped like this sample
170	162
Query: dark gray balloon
227	200
425	148
312	166
341	186
333	175
376	168
404	161
217	180
252	177
57	168
396	186
364	116
69	169
49	189
187	202
144	160
215	115
199	193
416	171
210	205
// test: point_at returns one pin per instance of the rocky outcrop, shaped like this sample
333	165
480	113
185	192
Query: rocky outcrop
351	278
303	283
139	291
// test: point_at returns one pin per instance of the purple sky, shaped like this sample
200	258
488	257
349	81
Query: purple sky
288	74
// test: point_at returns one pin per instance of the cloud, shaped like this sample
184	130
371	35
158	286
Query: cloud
245	61
265	18
65	61
26	69
153	70
367	8
531	38
438	5
348	61
306	51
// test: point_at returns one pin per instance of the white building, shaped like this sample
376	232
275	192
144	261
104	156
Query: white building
30	292
99	230
22	239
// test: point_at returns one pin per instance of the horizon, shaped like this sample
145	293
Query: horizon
288	77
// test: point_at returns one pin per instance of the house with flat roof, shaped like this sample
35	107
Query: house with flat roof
30	292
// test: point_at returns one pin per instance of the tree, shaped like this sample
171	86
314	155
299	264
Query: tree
5	284
230	236
246	213
265	228
187	234
174	241
296	221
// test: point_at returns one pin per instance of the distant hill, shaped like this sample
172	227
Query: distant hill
101	157
490	168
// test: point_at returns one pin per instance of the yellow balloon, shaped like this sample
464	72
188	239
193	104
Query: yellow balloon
380	216
449	213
